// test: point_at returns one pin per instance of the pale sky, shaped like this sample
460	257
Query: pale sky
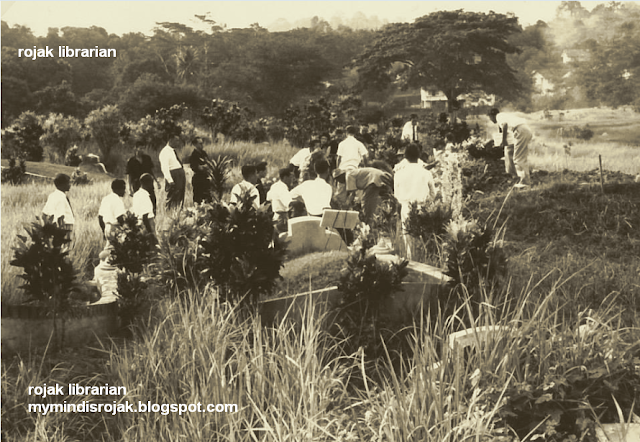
120	17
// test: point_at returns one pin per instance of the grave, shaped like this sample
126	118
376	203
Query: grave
306	235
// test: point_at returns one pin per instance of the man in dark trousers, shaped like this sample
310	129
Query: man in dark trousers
200	181
138	164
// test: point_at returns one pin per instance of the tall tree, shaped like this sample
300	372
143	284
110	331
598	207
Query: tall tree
456	51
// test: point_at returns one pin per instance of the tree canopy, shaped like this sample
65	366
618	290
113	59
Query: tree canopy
456	51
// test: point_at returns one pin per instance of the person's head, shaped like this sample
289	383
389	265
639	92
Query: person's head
324	138
352	130
314	145
261	169
492	114
322	168
146	182
119	187
286	176
339	134
414	119
412	153
175	142
249	173
198	143
62	182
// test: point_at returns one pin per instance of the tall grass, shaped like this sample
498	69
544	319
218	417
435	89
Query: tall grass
291	382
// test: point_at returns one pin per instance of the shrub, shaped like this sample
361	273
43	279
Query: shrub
104	125
474	261
22	139
241	252
132	248
16	173
154	131
71	158
60	132
429	223
367	286
223	117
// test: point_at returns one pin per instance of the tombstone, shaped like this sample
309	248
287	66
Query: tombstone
306	235
471	337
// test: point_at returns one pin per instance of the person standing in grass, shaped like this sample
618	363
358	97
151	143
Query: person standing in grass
173	172
142	206
246	186
112	211
58	204
200	181
351	152
412	184
280	198
516	157
138	164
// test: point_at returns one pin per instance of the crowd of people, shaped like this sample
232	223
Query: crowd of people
335	171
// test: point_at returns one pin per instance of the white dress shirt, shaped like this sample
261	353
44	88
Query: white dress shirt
111	207
512	121
316	195
142	205
408	131
413	183
280	198
301	157
58	205
351	152
168	162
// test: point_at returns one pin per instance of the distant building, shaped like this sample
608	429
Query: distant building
575	55
542	84
436	100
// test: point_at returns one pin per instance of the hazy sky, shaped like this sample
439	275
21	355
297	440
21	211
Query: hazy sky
120	17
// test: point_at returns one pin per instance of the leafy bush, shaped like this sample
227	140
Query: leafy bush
474	261
439	128
60	132
429	223
154	131
303	122
22	139
581	133
104	125
79	178
223	117
16	173
132	248
235	249
241	253
367	286
71	158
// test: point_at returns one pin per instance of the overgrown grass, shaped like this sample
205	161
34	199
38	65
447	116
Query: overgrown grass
292	383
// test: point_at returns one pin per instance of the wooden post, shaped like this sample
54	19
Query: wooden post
601	178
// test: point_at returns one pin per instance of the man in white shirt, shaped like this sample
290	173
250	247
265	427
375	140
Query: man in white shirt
246	187
142	206
351	152
316	194
112	209
515	157
410	129
280	198
412	184
58	204
173	172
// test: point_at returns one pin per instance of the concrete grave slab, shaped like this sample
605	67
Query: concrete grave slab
306	235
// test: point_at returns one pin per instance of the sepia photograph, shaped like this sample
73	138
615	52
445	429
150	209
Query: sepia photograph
320	221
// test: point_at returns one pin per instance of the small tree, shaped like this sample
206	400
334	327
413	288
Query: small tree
60	133
15	173
105	125
48	273
133	248
22	139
